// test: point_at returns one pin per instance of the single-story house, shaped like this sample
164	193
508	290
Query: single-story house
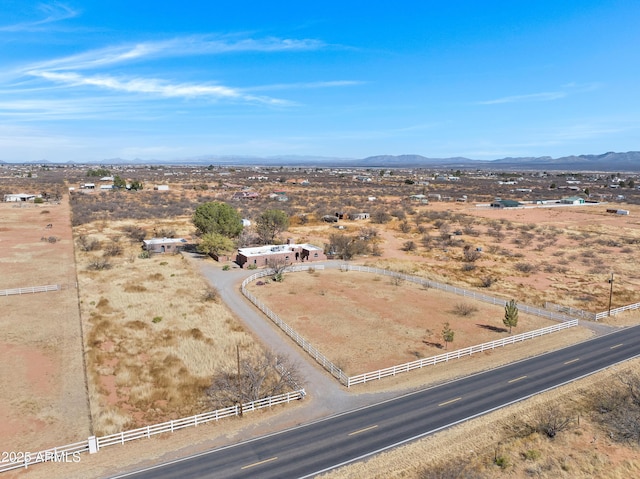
245	195
19	197
291	253
359	216
164	245
572	200
161	187
505	204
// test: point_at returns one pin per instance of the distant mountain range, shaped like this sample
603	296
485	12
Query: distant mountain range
611	162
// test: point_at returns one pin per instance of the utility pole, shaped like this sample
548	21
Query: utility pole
610	292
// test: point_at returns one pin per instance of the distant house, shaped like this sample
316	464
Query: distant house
572	200
290	253
420	198
245	195
106	187
505	204
359	216
161	187
19	197
164	245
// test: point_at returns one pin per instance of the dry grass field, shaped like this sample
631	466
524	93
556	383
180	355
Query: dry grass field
364	321
155	332
43	397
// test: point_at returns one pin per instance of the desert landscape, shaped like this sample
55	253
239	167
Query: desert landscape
148	333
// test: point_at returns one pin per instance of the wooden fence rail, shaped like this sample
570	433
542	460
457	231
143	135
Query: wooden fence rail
71	452
458	353
565	322
30	290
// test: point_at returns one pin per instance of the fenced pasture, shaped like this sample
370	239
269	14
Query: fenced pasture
327	319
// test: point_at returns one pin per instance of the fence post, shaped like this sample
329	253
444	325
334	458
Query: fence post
93	445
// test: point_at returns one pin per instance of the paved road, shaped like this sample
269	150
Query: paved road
306	450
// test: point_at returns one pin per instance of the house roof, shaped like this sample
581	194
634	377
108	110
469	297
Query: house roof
275	249
154	241
509	203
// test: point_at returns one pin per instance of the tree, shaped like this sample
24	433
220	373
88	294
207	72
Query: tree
214	243
278	266
259	377
135	185
511	314
447	334
118	182
216	217
271	223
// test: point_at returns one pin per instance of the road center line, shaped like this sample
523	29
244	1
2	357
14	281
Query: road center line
616	346
449	402
573	361
362	430
516	379
258	463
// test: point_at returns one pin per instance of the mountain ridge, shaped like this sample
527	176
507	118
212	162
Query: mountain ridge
609	161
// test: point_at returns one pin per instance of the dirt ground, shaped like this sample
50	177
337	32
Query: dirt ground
44	368
397	323
43	396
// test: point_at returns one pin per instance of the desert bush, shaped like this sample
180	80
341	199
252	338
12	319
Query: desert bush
112	249
524	267
464	309
470	254
405	227
380	216
553	420
466	267
409	246
134	233
211	294
98	264
487	281
88	244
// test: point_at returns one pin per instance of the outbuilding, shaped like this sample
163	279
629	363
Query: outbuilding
164	245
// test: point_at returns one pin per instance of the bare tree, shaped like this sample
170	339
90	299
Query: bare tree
259	376
278	267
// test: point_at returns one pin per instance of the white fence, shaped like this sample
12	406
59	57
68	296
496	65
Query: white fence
32	289
71	452
458	353
335	371
459	291
615	311
591	316
566	322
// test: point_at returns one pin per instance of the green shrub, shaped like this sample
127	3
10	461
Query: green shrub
156	319
226	267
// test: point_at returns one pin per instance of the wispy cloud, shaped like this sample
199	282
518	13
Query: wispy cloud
176	47
306	85
156	87
544	96
53	12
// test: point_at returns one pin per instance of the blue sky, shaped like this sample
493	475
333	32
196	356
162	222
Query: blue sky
168	80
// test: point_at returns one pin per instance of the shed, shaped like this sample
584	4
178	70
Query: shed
19	197
164	245
505	204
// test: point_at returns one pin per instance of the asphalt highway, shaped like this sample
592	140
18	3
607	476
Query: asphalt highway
307	450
